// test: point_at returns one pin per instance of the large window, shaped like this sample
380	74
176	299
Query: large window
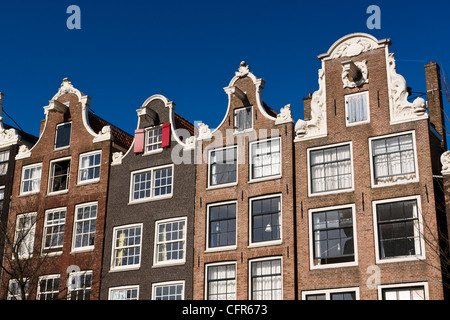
332	294
266	220
398	229
31	179
170	241
59	175
223	166
84	226
127	247
151	184
124	293
331	169
89	168
54	224
243	119
357	108
153	139
79	285
393	159
15	291
2	199
266	279
63	135
24	234
222	226
332	236
415	291
48	287
221	281
168	291
4	159
265	157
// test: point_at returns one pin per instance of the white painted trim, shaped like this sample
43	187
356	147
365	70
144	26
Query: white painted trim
215	264
21	179
49	276
86	154
127	287
155	245
308	163
224	185
113	268
328	292
352	124
418	212
235	118
250	161
49	183
219	248
423	284
311	238
167	283
151	198
250	261
57	249
56	136
75	221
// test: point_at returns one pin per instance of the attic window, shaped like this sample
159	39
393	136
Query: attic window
153	139
243	119
63	135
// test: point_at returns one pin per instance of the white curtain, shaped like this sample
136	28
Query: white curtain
357	108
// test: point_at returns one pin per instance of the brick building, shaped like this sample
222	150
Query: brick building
58	204
244	222
367	203
150	224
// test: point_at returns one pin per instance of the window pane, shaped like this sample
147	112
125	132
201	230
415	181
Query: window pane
223	164
222	225
63	135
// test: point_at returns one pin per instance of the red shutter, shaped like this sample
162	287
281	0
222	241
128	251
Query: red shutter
165	135
139	137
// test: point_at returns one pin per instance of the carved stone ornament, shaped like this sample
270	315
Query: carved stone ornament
8	136
316	127
104	134
353	47
204	132
445	160
400	108
117	158
243	70
24	152
364	75
285	115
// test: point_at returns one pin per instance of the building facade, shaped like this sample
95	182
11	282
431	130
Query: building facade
150	223
58	205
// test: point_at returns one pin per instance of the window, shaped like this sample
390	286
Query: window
63	135
221	281
79	285
84	228
266	279
55	221
127	247
243	119
4	159
151	183
398	229
24	236
170	241
332	238
15	291
357	108
48	288
393	159
124	293
222	226
332	294
2	199
89	170
59	176
168	291
265	158
404	292
331	169
153	139
223	166
266	220
31	179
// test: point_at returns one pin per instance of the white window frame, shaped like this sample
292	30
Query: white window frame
158	150
24	168
78	274
218	264
250	222
308	160
168	283
311	238
250	261
184	240
31	233
123	288
56	136
423	284
416	257
357	123
264	178
220	248
328	292
19	296
236	131
88	154
50	276
51	177
4	164
2	199
152	187
113	248
401	181
223	185
53	250
75	223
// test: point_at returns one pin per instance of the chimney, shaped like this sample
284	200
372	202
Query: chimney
435	102
307	107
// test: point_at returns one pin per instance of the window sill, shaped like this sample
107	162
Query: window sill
61	148
358	123
150	199
82	250
120	269
57	193
265	179
169	264
235	132
149	153
324	193
405	179
265	244
333	265
88	182
401	259
29	193
225	185
219	249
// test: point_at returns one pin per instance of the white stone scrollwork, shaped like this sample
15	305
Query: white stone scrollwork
401	110
285	115
204	132
24	152
104	134
317	126
364	76
445	160
243	70
353	47
8	137
117	158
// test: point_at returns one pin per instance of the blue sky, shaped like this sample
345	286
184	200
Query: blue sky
188	51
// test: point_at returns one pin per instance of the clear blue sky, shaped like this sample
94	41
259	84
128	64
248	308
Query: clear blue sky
189	50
